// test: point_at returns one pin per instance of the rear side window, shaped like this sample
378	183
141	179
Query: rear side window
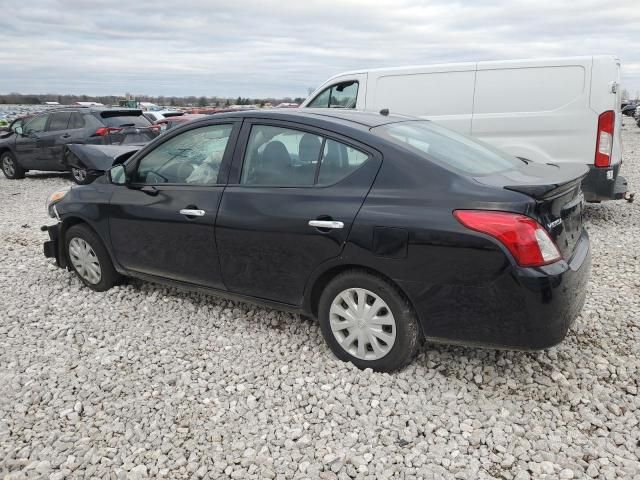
284	157
448	148
338	161
76	121
123	119
341	95
59	121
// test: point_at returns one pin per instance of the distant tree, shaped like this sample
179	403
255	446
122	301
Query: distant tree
202	102
239	101
227	103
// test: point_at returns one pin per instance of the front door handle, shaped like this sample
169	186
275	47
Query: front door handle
192	212
328	224
66	135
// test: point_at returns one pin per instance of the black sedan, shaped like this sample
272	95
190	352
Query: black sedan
387	229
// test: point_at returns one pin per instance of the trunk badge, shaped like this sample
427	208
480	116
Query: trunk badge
554	224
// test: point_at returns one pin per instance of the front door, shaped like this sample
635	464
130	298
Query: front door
29	142
52	141
162	223
295	195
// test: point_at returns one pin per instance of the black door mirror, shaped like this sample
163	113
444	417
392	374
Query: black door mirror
117	175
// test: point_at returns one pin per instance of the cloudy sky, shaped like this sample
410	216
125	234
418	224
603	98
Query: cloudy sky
262	48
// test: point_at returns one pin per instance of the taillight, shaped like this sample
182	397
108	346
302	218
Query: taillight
525	238
604	140
101	132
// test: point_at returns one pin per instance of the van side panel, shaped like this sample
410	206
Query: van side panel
446	97
536	111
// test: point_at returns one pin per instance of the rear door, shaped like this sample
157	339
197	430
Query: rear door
53	140
162	224
292	197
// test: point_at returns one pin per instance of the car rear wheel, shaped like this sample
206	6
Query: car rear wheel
89	258
367	321
10	166
81	176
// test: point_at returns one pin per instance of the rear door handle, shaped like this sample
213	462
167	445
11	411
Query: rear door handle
329	224
66	135
189	212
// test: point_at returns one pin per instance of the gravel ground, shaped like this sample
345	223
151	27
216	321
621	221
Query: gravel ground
145	381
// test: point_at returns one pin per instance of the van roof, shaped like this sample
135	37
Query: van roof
472	65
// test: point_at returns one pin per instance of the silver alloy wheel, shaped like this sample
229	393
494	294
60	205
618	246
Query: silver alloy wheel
85	260
362	323
8	166
79	174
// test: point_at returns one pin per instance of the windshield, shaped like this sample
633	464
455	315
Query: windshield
448	148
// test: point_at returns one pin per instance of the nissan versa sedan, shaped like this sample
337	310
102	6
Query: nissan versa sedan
387	229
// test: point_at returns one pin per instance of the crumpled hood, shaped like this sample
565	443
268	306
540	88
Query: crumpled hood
98	157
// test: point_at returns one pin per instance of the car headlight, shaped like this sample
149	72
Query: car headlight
54	198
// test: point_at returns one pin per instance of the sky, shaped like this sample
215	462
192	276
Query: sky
264	49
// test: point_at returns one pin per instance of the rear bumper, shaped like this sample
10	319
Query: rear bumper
604	184
52	248
524	309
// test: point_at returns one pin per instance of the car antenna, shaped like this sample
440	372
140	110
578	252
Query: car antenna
384	111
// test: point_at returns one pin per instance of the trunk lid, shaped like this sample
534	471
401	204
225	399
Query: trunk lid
558	195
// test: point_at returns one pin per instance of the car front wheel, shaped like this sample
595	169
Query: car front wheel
10	166
367	321
89	258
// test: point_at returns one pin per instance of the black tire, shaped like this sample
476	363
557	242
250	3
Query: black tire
408	334
108	275
81	176
10	166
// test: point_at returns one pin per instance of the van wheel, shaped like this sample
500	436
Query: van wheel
10	166
89	258
367	321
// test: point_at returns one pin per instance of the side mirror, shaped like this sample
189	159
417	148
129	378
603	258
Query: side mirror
117	175
19	130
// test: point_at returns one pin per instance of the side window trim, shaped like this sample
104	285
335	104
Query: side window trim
133	162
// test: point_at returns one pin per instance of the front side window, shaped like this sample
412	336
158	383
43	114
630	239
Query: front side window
193	158
36	125
59	121
278	156
341	95
448	148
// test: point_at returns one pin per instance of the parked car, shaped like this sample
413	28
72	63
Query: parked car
385	228
564	110
169	123
39	144
156	116
629	110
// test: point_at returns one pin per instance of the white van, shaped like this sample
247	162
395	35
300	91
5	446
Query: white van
545	110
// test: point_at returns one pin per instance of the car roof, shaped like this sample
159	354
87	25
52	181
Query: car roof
355	117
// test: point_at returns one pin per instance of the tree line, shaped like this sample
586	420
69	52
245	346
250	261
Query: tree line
190	101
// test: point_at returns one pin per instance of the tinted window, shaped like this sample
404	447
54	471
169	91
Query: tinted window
124	119
338	161
193	157
59	121
342	95
76	121
448	148
36	125
279	156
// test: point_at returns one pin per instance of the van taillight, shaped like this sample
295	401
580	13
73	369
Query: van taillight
604	140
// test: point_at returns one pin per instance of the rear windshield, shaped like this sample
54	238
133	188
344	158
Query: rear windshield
448	148
124	119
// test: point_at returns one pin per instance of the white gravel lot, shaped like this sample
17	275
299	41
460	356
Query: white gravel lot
145	381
